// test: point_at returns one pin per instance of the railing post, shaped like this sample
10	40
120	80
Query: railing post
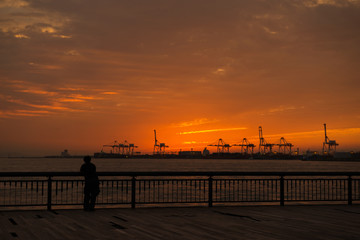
350	190
49	188
133	192
210	191
282	197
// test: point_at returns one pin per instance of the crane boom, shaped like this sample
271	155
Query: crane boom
260	132
326	138
155	137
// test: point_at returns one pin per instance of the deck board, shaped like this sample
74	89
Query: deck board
251	222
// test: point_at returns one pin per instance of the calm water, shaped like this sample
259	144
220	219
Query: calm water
113	165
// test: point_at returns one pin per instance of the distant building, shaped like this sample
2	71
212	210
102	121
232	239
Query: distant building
65	153
205	152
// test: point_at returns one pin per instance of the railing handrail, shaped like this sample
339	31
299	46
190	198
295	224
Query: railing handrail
177	173
281	184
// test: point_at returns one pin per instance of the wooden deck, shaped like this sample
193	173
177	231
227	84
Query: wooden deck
252	222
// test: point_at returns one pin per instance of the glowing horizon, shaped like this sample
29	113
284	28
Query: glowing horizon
213	130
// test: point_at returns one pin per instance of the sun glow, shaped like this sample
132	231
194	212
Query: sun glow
213	130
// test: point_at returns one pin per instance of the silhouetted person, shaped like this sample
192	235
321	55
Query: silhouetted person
91	189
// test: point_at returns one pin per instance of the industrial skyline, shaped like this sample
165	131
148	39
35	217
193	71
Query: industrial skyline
80	74
275	146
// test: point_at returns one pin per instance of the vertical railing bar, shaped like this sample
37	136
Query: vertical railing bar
281	190
204	189
15	192
172	190
308	190
168	191
210	191
163	190
242	189
336	188
312	189
253	189
26	192
139	190
321	190
294	189
238	190
234	190
49	191
270	197
112	191
288	192
186	190
329	183
177	190
315	189
349	190
133	192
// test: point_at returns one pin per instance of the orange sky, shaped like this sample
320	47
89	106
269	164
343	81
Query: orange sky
79	74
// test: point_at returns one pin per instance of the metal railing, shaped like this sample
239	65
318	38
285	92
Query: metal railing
19	189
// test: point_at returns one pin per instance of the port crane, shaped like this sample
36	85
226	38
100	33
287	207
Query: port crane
159	148
264	147
131	149
329	146
123	148
246	147
127	148
284	146
222	147
114	147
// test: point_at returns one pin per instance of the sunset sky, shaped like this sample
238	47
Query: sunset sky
77	74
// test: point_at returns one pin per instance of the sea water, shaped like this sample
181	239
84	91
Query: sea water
173	165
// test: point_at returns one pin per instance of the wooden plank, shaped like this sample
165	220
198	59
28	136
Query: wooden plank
255	222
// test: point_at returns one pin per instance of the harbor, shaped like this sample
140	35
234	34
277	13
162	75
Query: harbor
246	150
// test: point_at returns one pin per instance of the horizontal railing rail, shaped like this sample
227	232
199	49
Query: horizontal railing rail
49	189
171	173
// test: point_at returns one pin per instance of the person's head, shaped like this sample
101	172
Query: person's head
87	159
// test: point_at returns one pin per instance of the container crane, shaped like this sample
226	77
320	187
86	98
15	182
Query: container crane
222	147
246	147
329	146
159	148
264	147
131	149
114	147
284	146
127	148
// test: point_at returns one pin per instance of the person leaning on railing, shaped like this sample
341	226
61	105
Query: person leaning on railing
91	189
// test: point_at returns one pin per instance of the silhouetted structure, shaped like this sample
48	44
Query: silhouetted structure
65	153
264	147
222	147
114	148
159	148
117	150
329	146
246	147
284	146
91	189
